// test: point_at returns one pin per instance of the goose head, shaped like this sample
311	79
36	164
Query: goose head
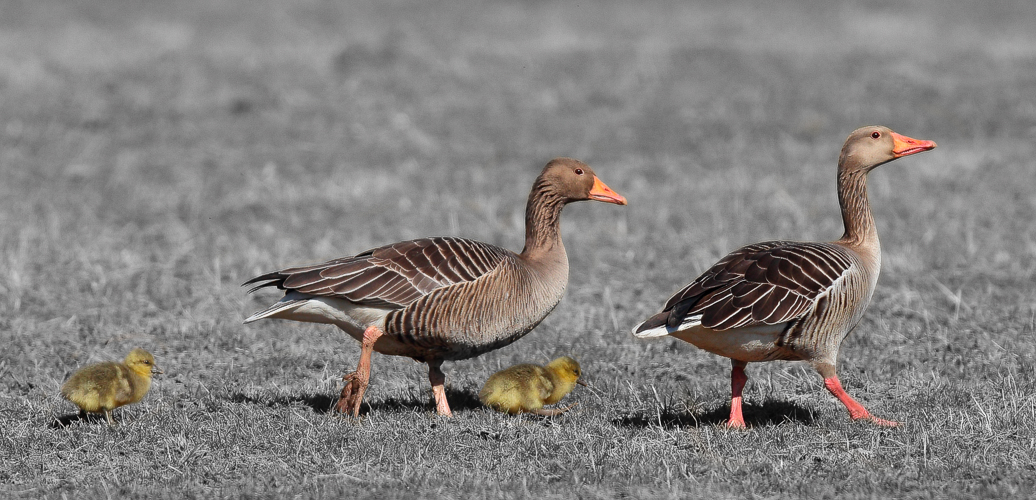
573	180
869	147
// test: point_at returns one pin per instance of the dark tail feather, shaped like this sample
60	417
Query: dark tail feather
676	315
275	278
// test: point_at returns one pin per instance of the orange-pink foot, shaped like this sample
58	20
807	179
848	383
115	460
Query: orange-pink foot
352	395
356	382
738	379
438	381
856	410
879	421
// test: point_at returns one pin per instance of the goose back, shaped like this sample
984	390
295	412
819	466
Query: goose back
392	276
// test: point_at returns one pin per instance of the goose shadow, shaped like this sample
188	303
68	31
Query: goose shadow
71	418
320	403
769	413
460	399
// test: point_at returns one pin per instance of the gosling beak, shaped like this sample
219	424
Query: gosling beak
906	146
155	370
584	384
601	192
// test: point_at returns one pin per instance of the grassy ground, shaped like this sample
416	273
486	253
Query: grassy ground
155	155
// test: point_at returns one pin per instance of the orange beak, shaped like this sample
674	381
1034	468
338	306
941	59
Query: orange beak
906	146
601	192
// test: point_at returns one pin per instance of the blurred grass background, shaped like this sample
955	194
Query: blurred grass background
155	155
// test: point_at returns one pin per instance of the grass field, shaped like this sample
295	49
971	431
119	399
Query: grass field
154	155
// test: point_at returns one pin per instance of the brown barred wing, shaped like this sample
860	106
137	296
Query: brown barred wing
393	275
765	283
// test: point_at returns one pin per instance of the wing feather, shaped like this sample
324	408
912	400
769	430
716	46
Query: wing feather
393	275
762	284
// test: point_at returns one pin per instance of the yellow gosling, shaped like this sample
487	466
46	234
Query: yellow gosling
527	387
103	387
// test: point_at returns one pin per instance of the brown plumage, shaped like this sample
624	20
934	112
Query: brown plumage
441	299
102	387
784	300
526	388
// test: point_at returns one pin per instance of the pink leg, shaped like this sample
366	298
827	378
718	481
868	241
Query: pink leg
737	384
438	380
856	410
356	382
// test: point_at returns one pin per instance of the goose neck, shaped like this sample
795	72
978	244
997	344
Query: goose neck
859	225
543	221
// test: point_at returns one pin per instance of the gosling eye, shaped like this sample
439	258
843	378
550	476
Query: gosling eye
875	134
579	171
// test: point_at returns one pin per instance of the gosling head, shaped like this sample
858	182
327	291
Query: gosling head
566	369
141	362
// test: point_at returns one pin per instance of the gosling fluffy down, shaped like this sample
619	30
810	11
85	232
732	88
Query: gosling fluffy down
102	387
527	387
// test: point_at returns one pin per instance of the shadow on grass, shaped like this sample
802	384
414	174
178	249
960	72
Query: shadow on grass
320	403
85	418
460	400
767	414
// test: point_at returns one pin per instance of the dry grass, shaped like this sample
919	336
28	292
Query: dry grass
155	155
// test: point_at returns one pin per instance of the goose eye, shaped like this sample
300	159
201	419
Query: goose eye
579	171
875	134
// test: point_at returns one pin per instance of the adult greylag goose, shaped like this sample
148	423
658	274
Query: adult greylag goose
783	300
441	299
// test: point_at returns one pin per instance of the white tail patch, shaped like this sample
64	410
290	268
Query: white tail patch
351	317
274	309
663	330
